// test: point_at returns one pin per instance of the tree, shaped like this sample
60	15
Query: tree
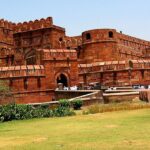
6	95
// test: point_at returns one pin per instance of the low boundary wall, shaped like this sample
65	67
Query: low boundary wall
120	97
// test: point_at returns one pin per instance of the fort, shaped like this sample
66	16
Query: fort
36	56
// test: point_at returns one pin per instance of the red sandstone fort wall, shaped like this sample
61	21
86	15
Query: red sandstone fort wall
58	62
33	25
35	54
98	45
6	33
116	73
131	47
109	45
38	34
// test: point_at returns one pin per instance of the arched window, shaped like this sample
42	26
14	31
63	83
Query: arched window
10	82
30	57
25	84
12	59
60	39
68	47
88	36
7	60
78	51
110	34
39	83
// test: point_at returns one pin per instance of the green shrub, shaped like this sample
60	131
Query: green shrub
77	104
7	112
21	112
5	91
64	103
63	109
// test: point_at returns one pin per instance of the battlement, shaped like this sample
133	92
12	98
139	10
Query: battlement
33	25
132	41
6	24
101	35
6	33
22	71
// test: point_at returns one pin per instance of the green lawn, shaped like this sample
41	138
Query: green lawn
123	130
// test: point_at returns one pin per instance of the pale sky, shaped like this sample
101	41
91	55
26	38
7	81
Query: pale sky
130	16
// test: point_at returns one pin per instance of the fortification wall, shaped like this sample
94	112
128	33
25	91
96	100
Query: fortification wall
23	78
110	45
21	71
27	97
133	42
6	57
116	73
131	47
38	34
59	54
99	45
126	53
33	25
6	33
71	42
60	62
99	55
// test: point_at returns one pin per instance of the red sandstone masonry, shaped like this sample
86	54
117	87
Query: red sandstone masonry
34	54
33	25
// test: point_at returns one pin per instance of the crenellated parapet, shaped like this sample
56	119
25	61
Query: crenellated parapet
22	71
6	33
6	24
133	42
33	25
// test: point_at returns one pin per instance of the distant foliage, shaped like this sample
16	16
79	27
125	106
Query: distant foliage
5	91
130	64
101	108
63	109
77	104
64	103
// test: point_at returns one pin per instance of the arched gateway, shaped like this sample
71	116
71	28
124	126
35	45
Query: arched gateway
62	79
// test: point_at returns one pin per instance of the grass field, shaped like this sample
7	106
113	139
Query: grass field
122	130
